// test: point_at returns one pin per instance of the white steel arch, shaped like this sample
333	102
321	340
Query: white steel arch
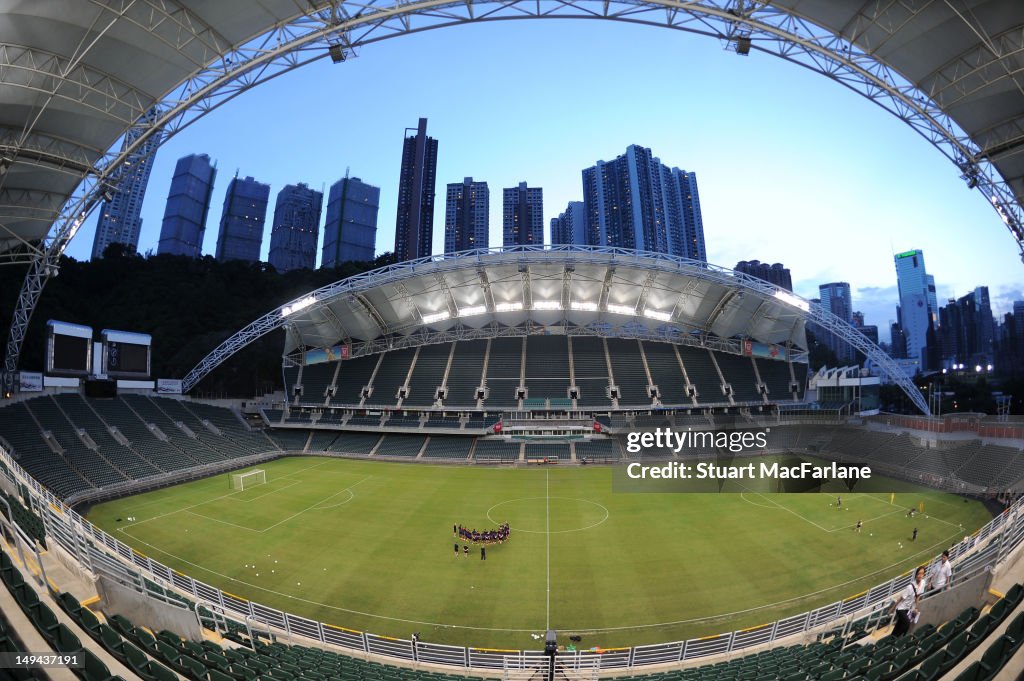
788	308
845	53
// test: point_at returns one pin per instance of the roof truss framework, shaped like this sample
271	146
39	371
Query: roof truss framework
728	307
941	67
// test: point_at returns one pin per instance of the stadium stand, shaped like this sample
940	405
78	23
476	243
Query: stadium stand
163	454
355	443
290	440
82	416
391	373
498	450
428	374
87	461
231	426
775	376
150	412
451	447
590	368
316	378
290	376
436	421
462	384
597	451
739	373
628	372
322	440
504	371
544	450
547	367
666	373
702	374
407	420
400	445
17	427
227	447
355	374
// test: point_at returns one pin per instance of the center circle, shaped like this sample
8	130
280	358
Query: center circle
548	515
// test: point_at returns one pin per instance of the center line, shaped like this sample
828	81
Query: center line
547	512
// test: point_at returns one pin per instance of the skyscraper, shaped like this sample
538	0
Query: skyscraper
467	216
350	230
777	274
570	227
917	296
414	225
296	228
241	223
835	298
522	216
188	205
120	220
637	202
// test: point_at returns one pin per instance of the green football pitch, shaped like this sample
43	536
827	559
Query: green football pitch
368	545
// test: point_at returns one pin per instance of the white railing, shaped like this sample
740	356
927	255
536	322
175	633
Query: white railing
983	551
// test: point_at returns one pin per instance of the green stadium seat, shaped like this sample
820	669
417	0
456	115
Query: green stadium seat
975	672
94	669
112	642
930	668
954	651
65	641
1015	595
996	655
43	619
214	675
166	652
191	667
122	624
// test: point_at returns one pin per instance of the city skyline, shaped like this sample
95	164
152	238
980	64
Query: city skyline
772	192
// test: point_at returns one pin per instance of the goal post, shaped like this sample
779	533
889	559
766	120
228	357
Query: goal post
243	481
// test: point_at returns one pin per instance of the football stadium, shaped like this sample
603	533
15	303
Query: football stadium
520	462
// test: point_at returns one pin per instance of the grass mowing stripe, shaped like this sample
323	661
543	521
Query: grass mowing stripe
547	532
634	568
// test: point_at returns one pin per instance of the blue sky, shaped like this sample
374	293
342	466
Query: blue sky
792	167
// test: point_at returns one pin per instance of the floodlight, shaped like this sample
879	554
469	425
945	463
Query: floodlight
657	314
472	310
620	309
584	306
436	317
795	301
298	306
547	305
508	307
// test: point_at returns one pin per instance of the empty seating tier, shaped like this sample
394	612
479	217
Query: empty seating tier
666	373
448	447
466	374
316	378
628	368
739	373
355	374
400	445
702	374
391	374
496	450
775	375
427	374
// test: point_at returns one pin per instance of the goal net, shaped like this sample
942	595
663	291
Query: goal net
242	481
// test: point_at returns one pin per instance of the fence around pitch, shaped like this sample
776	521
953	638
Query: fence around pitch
74	533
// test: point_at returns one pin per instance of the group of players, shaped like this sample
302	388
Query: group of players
498	536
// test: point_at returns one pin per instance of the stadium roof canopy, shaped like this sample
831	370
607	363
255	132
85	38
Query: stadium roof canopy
576	290
76	75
